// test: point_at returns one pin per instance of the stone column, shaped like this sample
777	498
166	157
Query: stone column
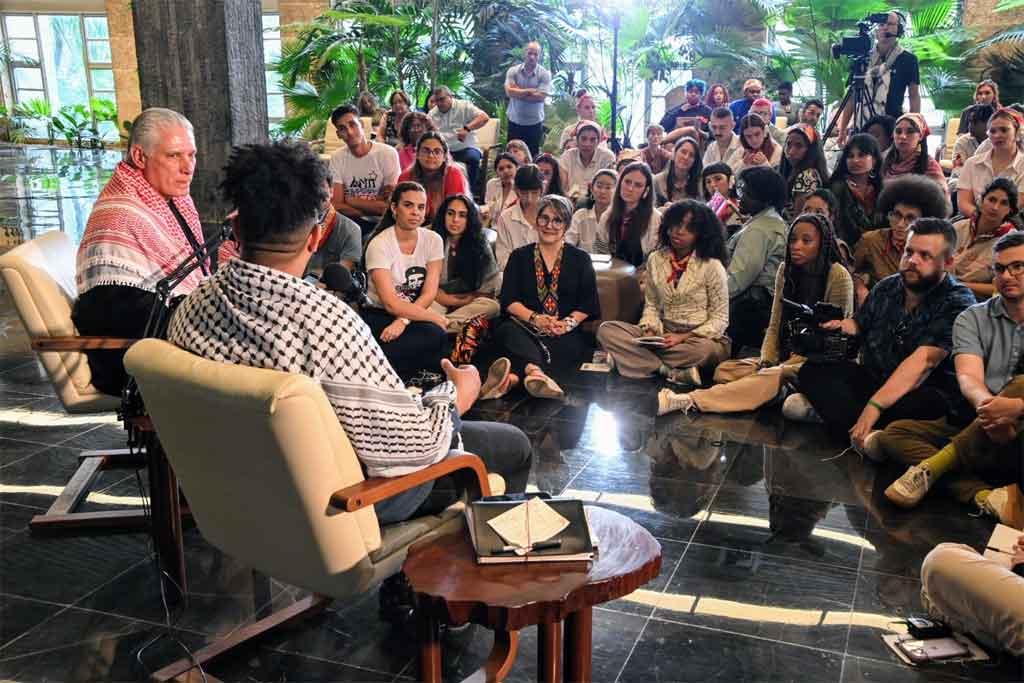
123	60
204	58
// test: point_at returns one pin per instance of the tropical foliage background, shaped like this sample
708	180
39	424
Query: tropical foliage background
362	45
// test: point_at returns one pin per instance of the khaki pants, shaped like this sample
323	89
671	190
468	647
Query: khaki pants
913	441
481	305
974	595
743	387
633	360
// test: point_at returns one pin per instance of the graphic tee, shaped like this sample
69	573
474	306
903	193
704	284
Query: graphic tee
365	176
408	271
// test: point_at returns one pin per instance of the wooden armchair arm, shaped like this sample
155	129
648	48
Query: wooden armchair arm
370	491
77	343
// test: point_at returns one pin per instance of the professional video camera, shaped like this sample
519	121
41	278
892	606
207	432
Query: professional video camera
803	329
859	46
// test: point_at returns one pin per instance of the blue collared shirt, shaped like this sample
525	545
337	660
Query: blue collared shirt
889	333
987	331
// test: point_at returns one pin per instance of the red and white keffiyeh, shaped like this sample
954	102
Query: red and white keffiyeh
132	237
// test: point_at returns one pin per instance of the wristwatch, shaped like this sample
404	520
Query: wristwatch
467	129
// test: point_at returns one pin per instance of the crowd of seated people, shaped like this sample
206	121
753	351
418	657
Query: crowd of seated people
728	221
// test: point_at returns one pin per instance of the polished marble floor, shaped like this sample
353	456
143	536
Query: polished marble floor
782	561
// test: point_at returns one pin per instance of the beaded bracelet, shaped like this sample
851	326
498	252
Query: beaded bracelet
570	322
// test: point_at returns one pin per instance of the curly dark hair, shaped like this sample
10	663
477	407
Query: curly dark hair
473	245
914	190
405	130
703	223
1007	186
279	190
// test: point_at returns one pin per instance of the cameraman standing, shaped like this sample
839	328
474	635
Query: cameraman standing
906	333
892	72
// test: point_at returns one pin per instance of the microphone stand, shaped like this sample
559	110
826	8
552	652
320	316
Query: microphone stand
159	314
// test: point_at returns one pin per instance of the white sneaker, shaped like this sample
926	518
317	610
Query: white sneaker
872	447
669	401
797	408
908	490
996	504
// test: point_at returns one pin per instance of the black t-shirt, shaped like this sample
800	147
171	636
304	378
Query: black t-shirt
700	111
904	73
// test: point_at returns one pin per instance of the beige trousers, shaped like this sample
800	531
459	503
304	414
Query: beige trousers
974	595
481	305
633	360
743	387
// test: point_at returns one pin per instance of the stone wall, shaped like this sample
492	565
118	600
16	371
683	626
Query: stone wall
296	11
980	15
123	59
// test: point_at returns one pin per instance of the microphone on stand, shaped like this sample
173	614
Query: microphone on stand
337	278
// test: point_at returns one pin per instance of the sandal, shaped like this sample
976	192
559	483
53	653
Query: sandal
540	385
497	376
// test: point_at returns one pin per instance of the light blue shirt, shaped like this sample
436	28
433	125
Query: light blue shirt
523	112
985	330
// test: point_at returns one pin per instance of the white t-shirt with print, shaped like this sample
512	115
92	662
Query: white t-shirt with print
365	176
408	271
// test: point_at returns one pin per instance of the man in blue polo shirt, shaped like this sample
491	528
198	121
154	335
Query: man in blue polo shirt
527	85
752	89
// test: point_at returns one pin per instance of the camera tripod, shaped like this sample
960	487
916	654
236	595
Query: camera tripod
857	93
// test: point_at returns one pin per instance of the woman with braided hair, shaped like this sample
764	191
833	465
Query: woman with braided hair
812	271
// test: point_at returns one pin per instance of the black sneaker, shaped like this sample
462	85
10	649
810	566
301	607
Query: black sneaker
397	602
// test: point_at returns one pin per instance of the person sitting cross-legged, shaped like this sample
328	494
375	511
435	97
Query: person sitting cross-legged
686	301
469	274
404	267
976	461
905	329
813	271
548	289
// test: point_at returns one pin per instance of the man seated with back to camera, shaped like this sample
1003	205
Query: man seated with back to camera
257	311
905	329
755	252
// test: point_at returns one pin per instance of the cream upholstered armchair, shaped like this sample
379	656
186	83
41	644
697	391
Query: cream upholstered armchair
40	276
272	480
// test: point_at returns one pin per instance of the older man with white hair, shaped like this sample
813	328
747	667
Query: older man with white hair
143	225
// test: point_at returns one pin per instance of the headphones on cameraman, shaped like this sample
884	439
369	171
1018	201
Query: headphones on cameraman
902	22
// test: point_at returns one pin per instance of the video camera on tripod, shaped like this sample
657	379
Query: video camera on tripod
858	49
803	328
859	46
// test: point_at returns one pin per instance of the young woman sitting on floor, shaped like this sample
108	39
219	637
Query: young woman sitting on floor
686	301
404	265
629	230
548	289
469	271
811	272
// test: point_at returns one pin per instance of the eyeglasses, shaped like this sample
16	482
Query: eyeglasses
544	219
904	218
1015	269
431	152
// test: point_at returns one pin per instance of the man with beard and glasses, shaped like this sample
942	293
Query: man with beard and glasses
976	461
905	329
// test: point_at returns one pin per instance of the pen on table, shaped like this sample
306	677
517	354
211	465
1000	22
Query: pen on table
543	545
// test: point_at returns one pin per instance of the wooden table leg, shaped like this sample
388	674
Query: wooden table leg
165	508
579	630
430	648
549	652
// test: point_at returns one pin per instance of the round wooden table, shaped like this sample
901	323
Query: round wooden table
452	588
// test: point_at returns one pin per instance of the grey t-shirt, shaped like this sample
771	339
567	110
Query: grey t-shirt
986	331
345	243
